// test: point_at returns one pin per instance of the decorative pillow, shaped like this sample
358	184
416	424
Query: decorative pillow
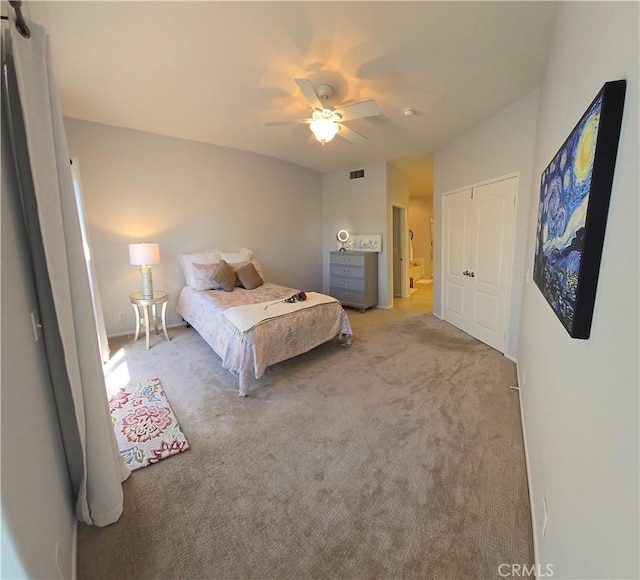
203	276
249	277
225	276
256	265
187	261
242	255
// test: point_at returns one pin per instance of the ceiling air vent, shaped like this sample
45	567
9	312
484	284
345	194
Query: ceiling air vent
357	174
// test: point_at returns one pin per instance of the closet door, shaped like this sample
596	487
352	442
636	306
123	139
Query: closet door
478	230
457	226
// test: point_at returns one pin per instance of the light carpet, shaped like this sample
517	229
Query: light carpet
145	426
400	457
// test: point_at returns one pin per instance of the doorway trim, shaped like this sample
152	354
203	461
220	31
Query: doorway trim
404	245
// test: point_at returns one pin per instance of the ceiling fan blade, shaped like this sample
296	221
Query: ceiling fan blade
351	135
309	93
277	123
359	110
291	122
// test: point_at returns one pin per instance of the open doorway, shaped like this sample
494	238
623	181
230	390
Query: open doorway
420	259
419	246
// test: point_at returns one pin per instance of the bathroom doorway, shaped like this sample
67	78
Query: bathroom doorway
418	263
419	297
420	301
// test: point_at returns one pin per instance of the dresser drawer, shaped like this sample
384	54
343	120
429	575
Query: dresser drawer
347	258
348	297
355	284
353	278
346	271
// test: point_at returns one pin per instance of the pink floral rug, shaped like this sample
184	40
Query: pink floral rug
146	428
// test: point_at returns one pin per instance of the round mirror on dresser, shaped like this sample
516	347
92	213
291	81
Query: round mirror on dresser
343	237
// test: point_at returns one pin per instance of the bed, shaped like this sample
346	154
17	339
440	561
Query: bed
226	321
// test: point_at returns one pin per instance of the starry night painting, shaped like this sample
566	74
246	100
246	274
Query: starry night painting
575	190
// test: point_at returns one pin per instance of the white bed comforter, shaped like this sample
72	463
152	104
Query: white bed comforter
248	354
248	316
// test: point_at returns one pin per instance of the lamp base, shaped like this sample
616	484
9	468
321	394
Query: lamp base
147	283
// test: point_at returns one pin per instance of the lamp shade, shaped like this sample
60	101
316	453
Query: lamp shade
324	129
323	125
144	254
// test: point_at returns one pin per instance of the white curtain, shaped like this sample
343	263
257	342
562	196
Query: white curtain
40	147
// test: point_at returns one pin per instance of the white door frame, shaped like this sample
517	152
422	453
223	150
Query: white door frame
404	251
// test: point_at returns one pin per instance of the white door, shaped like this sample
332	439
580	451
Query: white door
456	227
478	241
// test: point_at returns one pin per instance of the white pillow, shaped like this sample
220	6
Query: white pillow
187	260
242	255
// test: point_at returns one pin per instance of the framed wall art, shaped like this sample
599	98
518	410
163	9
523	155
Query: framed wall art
365	243
575	190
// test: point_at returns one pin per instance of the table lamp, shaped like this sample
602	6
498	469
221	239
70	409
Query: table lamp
144	255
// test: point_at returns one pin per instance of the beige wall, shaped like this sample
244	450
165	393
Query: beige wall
398	195
363	206
499	146
190	196
581	397
420	214
359	206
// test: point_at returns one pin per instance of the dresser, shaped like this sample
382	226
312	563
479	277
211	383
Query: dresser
353	278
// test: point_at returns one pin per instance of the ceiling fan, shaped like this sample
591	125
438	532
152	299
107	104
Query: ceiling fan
326	122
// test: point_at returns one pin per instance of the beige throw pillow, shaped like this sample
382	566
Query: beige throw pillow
255	262
249	277
225	276
236	266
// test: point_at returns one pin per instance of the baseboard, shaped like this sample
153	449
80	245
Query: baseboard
513	359
74	552
132	332
118	334
438	316
527	463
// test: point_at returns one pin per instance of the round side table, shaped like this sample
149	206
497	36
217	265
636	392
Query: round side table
141	307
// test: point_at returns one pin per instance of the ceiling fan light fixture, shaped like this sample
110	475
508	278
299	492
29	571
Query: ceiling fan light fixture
324	126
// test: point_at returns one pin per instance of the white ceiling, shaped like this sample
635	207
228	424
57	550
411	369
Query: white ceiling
217	71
